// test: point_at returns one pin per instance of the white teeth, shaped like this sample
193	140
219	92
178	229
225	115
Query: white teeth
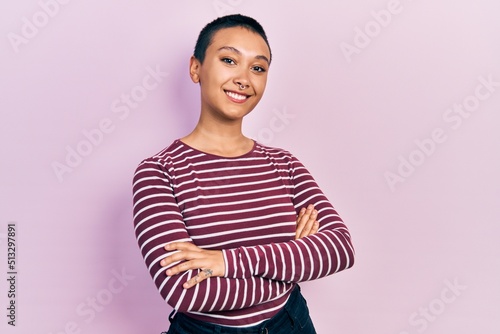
236	96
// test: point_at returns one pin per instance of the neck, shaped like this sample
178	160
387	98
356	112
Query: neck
220	138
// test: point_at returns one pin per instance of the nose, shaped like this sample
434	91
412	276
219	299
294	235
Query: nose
241	80
241	85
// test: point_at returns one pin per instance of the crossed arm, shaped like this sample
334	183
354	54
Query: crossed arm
258	274
211	262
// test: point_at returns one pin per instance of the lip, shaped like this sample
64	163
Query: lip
234	99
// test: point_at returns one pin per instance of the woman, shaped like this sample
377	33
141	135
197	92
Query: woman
226	225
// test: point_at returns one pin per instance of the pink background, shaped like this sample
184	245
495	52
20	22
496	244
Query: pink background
427	245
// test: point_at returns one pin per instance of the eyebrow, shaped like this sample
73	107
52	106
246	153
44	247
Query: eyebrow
235	50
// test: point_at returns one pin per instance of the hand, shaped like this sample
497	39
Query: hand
192	257
306	222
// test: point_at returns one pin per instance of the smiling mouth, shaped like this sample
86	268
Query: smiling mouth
236	96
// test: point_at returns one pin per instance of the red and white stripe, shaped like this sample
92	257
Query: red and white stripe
246	207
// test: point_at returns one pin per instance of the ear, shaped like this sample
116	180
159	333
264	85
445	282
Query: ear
194	69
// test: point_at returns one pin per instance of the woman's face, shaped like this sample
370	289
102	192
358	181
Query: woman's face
233	75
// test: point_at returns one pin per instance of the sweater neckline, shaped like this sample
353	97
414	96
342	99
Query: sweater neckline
179	142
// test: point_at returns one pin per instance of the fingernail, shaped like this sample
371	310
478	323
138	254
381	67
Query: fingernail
162	263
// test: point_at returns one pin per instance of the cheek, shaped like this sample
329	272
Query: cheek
214	74
260	85
210	85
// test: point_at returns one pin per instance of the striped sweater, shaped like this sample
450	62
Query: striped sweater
246	207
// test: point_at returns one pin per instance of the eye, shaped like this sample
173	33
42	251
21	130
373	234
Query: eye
228	61
258	69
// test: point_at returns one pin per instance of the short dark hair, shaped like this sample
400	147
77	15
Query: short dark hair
228	21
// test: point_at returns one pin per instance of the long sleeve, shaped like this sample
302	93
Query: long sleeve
319	255
158	220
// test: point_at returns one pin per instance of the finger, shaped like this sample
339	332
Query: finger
192	282
315	228
182	251
202	275
207	272
303	220
308	226
178	256
184	266
301	213
300	225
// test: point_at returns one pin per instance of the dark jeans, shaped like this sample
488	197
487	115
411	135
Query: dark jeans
293	318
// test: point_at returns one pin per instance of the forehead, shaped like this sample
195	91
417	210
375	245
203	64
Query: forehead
240	38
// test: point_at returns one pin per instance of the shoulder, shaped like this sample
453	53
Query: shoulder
167	158
276	153
174	152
